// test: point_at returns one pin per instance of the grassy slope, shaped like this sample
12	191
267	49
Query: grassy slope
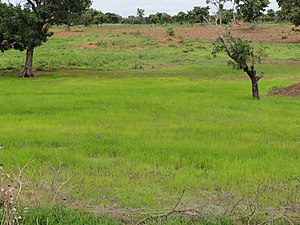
143	136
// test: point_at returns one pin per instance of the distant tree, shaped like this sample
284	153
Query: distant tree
180	17
243	57
271	14
197	15
154	19
140	14
165	19
130	20
25	27
290	10
250	10
87	17
100	18
219	4
227	16
113	18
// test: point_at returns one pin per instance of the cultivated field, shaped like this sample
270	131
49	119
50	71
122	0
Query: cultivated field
123	118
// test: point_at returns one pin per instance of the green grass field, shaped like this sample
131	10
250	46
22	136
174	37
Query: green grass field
139	127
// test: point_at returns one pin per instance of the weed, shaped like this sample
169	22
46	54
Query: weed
137	66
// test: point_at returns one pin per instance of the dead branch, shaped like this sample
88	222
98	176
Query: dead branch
165	215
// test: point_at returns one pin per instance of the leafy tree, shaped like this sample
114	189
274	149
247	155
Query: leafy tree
243	57
227	16
87	17
100	18
219	4
113	18
250	10
140	14
197	15
25	27
290	10
180	17
154	19
165	19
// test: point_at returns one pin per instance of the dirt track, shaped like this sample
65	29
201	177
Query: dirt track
279	35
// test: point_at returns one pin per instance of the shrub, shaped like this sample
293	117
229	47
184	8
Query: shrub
170	31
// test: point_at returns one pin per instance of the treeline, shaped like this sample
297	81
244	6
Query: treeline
254	11
196	15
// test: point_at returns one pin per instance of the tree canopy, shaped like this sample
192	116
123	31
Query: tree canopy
290	10
26	26
250	10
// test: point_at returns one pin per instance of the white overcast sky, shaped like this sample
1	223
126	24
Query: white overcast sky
128	7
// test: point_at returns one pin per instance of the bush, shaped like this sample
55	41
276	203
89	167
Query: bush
170	31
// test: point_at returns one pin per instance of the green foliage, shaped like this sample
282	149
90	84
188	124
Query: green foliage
17	28
170	31
27	26
227	16
241	52
290	10
250	10
180	17
198	15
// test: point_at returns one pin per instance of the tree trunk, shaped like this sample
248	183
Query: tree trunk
255	91
27	72
220	17
251	72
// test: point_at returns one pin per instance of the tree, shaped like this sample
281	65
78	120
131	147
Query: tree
197	15
290	10
219	4
100	18
227	16
180	17
25	27
243	57
113	18
140	14
250	10
88	16
154	18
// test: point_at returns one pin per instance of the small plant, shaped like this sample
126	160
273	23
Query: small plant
170	31
101	43
172	46
137	66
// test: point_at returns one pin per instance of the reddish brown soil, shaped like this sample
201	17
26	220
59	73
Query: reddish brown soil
293	90
280	35
168	40
88	45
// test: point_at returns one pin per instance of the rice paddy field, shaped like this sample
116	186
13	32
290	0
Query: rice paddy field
119	119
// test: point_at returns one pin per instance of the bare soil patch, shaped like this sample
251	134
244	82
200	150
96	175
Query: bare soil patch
89	45
293	90
169	40
206	33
